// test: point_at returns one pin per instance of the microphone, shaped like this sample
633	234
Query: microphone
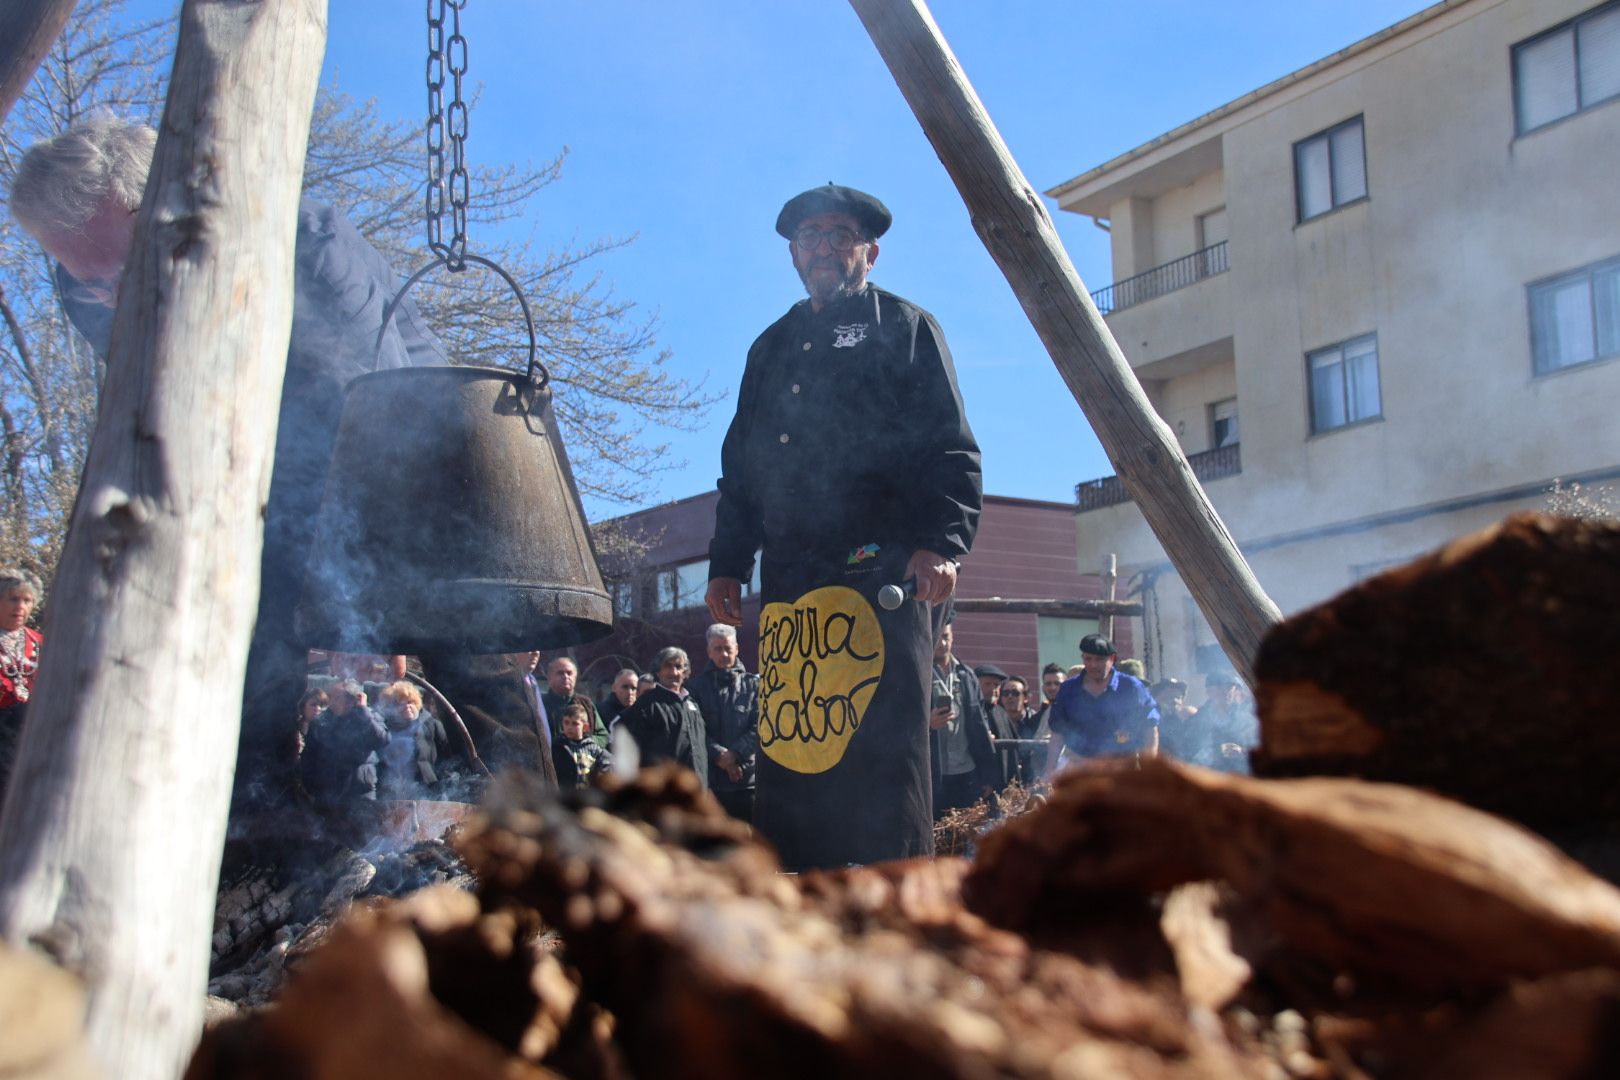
890	597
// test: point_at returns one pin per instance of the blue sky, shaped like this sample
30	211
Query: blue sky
689	122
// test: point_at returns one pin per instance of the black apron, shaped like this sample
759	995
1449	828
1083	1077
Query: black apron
843	773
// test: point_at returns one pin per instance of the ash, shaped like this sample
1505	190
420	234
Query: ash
277	901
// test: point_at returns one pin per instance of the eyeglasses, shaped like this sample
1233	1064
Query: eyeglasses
841	240
1011	693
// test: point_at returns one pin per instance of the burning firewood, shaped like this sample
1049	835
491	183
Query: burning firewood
1481	671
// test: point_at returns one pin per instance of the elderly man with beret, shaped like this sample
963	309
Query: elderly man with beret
849	466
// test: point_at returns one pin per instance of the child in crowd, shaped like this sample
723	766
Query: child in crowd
578	758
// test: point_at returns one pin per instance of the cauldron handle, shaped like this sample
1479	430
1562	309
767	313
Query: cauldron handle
538	375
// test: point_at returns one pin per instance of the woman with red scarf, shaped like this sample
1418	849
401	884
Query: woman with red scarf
19	660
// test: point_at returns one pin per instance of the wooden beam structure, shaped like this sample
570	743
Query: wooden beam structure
1013	223
113	827
28	29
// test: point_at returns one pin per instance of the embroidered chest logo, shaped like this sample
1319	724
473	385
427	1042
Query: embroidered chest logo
849	335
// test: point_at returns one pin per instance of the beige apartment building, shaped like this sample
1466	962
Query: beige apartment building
1378	300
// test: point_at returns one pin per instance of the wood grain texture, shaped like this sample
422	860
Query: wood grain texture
113	826
1009	217
28	29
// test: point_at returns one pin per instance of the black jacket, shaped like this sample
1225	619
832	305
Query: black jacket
668	727
849	430
1032	759
340	754
578	762
970	705
730	704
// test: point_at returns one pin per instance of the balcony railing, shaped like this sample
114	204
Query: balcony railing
1187	270
1110	490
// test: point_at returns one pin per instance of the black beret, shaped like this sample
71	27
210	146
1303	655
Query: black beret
989	671
1096	645
873	216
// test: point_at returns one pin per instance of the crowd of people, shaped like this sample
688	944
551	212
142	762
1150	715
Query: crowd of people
988	729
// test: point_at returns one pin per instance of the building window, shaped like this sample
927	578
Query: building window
623	594
1330	169
1057	639
1575	318
1344	383
1567	69
681	586
1223	424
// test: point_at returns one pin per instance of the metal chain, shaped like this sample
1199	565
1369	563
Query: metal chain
447	54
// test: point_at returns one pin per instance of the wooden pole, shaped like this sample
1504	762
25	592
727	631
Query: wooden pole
1082	609
1110	579
28	29
113	827
1013	223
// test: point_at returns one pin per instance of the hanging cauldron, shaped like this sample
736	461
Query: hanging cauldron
451	522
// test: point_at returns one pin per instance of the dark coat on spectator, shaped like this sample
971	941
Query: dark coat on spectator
498	709
970	705
669	727
340	755
1032	759
578	761
427	739
730	703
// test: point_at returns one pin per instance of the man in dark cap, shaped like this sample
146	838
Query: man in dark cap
1104	712
849	466
998	719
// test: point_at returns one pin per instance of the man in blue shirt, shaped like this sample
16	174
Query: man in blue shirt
1102	711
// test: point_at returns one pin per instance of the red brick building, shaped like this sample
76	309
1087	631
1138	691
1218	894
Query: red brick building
1025	549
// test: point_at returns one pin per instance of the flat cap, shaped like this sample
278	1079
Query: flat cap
873	216
989	671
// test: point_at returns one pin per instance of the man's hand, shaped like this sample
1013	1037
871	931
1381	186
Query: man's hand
727	760
725	600
935	576
734	773
939	717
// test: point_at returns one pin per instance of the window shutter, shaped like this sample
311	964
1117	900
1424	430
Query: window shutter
1314	179
1600	57
1544	77
1349	164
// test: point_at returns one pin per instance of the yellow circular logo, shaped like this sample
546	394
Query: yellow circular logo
820	660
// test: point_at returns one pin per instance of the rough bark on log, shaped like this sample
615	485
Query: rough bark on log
1484	671
115	818
1016	229
717	966
28	29
1377	879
